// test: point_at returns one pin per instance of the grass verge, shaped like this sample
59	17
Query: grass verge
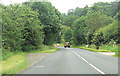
91	49
105	48
111	48
18	61
14	64
117	54
44	51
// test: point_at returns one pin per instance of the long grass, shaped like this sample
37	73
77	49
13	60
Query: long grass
111	48
91	49
45	50
7	54
14	62
103	48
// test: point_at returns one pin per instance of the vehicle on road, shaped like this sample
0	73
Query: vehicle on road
67	44
57	45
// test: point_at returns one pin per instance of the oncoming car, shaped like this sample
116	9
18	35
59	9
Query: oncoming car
57	45
67	44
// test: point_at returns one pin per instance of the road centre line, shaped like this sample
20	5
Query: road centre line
89	63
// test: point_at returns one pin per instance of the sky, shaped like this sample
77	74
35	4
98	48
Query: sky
62	5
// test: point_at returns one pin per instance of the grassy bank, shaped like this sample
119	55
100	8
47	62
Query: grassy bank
91	49
104	48
44	51
111	48
14	62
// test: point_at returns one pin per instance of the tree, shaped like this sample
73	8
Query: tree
70	12
111	32
79	31
21	28
109	9
96	20
32	33
69	19
81	11
68	35
50	18
98	39
11	34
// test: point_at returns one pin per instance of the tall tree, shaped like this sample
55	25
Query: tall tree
32	32
11	34
50	18
69	19
96	20
79	31
21	28
68	35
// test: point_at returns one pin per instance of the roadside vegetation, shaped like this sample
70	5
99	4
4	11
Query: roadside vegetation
14	62
96	27
30	27
104	48
34	27
101	49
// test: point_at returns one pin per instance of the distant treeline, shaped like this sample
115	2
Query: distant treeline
98	24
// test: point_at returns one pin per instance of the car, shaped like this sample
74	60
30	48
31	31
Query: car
67	44
58	45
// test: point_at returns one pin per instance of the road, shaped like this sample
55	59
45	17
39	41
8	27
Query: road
75	61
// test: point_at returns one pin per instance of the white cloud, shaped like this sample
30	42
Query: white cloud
64	5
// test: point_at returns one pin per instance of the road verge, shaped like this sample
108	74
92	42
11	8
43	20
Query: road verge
101	51
19	62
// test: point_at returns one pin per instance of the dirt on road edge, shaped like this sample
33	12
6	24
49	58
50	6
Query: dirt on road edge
35	57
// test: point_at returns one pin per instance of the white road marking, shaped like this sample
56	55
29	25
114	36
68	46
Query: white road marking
67	48
89	63
38	66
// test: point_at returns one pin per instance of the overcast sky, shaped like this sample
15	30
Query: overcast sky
63	5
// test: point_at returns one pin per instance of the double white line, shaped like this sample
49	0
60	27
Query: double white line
101	72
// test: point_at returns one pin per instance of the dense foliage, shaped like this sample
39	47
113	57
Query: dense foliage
27	26
96	25
50	19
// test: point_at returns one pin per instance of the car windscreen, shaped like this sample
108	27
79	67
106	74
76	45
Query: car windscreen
67	43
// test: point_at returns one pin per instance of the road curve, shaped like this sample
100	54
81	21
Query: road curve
75	61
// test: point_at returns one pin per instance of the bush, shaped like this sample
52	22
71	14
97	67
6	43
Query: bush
14	64
28	48
117	54
111	48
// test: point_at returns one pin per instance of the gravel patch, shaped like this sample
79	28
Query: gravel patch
34	57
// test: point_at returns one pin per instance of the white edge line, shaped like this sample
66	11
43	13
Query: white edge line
89	63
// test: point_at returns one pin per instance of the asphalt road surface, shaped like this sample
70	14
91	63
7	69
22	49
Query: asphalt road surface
75	61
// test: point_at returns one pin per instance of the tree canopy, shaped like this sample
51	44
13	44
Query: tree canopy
96	25
29	25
